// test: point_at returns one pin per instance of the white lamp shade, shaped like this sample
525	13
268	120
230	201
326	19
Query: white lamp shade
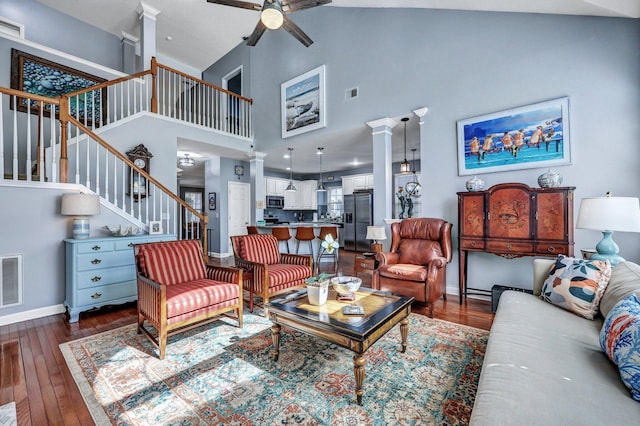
376	233
609	214
80	204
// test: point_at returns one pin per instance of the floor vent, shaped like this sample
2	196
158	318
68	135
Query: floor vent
10	280
350	94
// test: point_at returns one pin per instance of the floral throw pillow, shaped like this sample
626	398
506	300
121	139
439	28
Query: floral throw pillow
620	340
577	285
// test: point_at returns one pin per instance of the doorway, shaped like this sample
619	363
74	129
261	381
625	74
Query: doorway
239	195
232	82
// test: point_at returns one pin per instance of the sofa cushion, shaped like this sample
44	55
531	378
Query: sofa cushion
620	339
418	252
194	295
577	285
260	248
544	366
172	262
625	280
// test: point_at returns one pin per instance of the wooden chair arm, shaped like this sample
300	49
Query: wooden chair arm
296	259
434	266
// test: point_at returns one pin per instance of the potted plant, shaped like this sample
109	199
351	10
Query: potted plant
318	289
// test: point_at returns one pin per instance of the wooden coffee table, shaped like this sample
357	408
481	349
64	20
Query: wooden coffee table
355	332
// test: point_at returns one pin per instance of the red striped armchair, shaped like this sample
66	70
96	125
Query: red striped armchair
178	292
267	272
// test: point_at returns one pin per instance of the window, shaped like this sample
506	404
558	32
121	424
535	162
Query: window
334	206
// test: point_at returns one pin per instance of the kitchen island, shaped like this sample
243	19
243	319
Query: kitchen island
304	247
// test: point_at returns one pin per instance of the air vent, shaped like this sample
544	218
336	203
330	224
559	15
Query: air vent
7	26
350	94
10	280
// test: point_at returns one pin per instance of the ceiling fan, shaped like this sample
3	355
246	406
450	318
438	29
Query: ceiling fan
273	15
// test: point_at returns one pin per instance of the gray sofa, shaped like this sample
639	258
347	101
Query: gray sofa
544	365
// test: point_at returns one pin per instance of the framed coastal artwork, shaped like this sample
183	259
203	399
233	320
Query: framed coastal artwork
39	76
302	103
531	136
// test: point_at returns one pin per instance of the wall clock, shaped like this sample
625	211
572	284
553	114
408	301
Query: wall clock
138	185
239	171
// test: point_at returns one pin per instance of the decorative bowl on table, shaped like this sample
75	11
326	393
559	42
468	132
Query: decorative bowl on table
346	285
120	231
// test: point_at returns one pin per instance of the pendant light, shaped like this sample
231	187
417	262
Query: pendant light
405	167
290	187
413	186
320	187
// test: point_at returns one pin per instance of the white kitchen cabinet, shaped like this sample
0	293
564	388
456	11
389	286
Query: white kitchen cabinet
356	182
309	196
293	200
275	186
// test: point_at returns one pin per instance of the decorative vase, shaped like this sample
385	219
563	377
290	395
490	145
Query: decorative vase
318	293
550	179
475	184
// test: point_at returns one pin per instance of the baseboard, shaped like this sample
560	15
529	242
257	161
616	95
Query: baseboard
33	314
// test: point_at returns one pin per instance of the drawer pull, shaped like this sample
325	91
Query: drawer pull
96	261
551	249
96	279
96	248
473	244
363	265
96	296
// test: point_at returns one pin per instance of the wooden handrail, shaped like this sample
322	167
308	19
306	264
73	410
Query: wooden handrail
204	219
213	86
107	83
27	95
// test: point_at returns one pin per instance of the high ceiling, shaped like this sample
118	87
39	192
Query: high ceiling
197	33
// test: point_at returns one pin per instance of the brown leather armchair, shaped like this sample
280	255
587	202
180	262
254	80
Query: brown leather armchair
416	264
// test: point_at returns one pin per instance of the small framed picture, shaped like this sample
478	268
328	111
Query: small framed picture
155	227
212	201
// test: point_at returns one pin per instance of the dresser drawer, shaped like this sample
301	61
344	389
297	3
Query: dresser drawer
101	277
510	247
102	295
472	244
551	249
102	260
95	247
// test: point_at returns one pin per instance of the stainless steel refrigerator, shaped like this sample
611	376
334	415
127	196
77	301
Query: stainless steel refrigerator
358	214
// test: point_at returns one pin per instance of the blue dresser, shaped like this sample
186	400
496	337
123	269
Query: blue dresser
101	271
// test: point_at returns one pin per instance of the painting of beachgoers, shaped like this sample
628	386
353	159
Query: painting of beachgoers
303	103
527	137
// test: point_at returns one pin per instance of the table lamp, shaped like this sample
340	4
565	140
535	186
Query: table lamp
609	214
376	233
82	206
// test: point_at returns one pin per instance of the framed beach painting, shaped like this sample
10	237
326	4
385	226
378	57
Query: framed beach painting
302	103
531	136
39	76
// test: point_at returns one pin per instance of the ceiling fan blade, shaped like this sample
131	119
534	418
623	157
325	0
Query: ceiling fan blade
256	34
238	3
295	31
289	6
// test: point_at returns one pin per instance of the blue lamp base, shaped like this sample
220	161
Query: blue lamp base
607	250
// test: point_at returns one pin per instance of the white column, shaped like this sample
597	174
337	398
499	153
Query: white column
256	163
128	46
147	15
381	135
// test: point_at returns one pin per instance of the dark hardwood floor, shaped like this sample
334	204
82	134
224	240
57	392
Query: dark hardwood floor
33	372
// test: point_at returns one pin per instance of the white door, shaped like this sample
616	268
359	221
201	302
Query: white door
239	207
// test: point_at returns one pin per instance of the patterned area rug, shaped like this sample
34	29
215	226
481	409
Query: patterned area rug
219	374
8	414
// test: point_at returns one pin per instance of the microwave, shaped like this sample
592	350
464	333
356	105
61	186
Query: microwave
275	202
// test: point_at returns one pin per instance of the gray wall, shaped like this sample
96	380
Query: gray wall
55	29
463	64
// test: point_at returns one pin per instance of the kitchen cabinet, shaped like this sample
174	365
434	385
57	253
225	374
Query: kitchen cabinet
356	182
293	200
101	271
309	196
513	220
275	186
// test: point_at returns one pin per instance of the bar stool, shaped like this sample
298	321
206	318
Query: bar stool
305	233
252	230
282	234
324	231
